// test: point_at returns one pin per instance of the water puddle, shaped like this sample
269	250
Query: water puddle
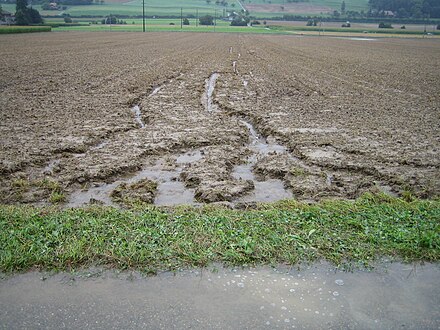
99	145
189	157
170	190
315	130
268	190
156	90
173	193
362	39
207	100
49	169
316	296
138	115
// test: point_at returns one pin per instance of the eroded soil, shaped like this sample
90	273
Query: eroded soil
216	117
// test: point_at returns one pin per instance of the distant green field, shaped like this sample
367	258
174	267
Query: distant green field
133	8
170	25
356	5
172	7
349	30
168	28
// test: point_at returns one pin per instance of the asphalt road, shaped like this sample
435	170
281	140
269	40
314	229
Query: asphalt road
393	296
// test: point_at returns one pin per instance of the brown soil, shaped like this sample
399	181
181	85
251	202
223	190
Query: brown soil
353	115
142	191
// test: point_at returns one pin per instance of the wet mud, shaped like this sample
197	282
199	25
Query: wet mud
239	118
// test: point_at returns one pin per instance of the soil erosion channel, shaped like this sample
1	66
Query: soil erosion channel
269	117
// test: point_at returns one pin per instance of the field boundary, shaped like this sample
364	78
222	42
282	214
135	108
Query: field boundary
24	29
150	238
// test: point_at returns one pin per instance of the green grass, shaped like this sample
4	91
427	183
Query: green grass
172	7
133	8
347	30
356	5
23	29
151	239
167	28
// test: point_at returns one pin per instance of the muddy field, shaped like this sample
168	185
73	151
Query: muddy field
174	118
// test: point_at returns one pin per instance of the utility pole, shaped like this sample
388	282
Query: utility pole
181	18
215	19
197	17
143	15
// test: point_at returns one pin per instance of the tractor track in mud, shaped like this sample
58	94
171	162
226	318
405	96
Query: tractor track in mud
341	132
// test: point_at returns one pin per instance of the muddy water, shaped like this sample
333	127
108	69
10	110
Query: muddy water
264	191
234	67
170	190
138	115
394	296
207	100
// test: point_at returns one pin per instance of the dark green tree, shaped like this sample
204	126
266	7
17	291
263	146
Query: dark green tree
21	16
343	7
25	15
206	20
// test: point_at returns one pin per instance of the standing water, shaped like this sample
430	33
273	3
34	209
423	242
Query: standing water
138	115
170	191
207	100
265	191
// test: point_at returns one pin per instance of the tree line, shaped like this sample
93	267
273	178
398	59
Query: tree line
407	8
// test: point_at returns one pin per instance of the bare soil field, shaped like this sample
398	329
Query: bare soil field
177	118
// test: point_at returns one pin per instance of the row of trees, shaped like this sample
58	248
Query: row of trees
407	8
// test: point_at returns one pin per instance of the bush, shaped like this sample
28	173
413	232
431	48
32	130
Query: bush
312	22
346	25
109	20
383	25
67	19
256	22
171	23
403	27
206	20
185	21
239	21
438	27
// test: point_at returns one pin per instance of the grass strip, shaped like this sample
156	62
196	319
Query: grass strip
24	29
151	239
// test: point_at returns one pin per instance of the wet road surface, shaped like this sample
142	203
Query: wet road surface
393	296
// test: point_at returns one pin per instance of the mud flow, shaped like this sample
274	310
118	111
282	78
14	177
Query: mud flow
238	119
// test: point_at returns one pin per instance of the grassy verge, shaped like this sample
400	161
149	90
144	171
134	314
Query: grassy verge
151	239
23	29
